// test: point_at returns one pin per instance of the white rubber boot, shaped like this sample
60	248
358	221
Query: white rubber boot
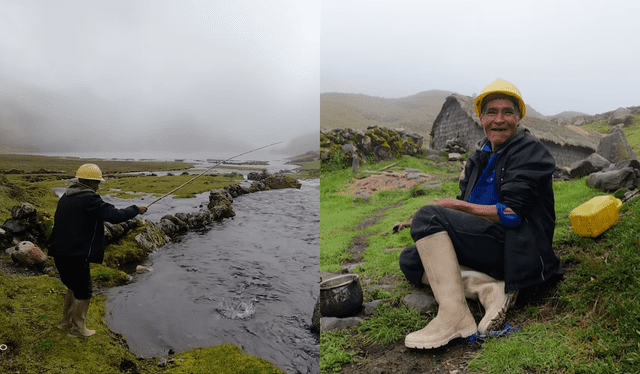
490	292
79	318
65	322
454	320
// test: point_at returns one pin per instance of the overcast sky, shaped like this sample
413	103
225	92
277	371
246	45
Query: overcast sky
239	69
581	55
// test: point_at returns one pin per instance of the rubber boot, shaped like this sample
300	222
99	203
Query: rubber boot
490	292
79	318
65	322
454	319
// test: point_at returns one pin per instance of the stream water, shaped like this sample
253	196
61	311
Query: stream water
250	281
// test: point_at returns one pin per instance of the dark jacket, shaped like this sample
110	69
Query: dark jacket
524	177
78	225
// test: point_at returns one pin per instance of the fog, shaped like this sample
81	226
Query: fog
159	75
563	55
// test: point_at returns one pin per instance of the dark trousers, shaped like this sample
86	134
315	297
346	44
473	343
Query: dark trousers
479	244
74	273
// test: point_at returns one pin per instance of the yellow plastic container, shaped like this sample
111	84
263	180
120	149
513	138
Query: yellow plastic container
595	216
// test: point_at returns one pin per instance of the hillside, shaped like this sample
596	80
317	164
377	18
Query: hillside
414	113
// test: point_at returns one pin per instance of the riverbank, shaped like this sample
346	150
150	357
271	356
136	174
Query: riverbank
34	301
585	322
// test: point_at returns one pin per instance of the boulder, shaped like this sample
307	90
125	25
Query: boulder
621	116
635	164
614	180
29	255
581	168
455	156
23	211
333	323
422	302
599	163
615	148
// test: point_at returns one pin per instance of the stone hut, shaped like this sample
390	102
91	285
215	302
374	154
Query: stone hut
458	120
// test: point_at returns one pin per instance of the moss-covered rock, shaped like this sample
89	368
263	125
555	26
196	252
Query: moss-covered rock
141	238
222	359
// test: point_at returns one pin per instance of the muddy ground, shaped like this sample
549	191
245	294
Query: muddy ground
453	358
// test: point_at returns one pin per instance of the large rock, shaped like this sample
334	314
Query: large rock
621	115
614	180
615	148
23	211
29	255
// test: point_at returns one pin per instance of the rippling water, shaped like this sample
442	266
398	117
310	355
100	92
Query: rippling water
251	281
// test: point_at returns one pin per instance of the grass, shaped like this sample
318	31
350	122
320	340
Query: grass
69	165
592	325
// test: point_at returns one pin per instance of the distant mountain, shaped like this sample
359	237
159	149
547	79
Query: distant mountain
414	113
300	145
567	115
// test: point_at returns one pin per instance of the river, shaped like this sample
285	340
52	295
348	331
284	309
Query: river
250	281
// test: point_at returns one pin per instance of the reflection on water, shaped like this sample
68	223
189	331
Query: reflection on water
251	281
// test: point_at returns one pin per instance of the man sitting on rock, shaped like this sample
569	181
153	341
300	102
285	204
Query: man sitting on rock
77	239
498	230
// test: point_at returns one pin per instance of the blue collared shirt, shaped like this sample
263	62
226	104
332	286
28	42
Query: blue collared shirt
485	192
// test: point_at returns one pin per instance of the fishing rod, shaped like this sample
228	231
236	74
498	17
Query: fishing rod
204	172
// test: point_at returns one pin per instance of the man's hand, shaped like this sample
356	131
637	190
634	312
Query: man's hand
449	203
142	209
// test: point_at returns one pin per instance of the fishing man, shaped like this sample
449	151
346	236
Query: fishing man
77	239
498	230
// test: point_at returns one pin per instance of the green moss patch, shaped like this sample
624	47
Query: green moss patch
222	359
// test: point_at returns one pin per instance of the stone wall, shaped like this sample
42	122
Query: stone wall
566	155
455	123
378	142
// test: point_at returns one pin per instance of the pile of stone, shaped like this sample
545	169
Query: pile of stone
455	145
27	229
612	167
378	142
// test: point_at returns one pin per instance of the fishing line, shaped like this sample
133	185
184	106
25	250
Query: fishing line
204	172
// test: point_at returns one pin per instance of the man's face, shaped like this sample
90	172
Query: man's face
499	121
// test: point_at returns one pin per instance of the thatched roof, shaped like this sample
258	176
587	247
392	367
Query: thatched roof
541	128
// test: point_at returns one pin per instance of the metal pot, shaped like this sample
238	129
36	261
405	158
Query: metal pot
341	296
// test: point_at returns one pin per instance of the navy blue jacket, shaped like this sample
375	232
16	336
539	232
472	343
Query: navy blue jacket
524	177
78	226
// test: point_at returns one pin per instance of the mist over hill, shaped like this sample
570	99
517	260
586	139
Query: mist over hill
300	145
78	120
414	113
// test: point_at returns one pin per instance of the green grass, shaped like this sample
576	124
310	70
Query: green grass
391	323
165	184
632	133
595	323
69	165
334	350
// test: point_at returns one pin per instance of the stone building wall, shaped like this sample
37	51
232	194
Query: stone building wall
453	122
565	155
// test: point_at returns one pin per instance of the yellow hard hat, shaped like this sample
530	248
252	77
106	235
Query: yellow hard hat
500	86
89	171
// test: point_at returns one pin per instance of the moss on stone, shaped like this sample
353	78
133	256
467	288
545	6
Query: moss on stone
222	359
108	277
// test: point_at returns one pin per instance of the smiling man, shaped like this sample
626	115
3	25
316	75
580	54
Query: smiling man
495	238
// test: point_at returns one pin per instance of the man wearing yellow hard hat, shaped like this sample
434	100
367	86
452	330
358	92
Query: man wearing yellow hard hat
495	238
77	239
